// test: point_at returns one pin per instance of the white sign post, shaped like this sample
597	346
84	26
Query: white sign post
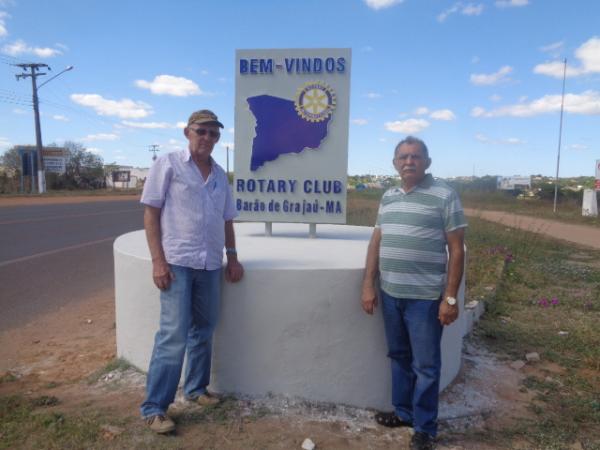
291	135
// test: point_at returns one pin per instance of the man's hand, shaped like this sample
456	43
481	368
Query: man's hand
369	299
447	313
234	271
162	275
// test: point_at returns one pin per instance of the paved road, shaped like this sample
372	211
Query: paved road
52	255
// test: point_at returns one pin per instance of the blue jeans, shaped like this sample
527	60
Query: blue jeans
188	315
413	333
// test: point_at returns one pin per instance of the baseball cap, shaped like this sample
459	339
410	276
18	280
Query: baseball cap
204	116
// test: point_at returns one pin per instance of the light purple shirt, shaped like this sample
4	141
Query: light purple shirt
193	210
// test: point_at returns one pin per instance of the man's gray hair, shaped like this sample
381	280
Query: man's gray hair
411	140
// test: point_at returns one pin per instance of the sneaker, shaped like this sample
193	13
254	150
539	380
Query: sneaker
160	424
207	399
422	441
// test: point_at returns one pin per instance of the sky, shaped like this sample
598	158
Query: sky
480	82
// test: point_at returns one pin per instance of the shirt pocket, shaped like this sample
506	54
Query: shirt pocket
218	199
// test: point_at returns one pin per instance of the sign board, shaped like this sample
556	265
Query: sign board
54	159
122	176
291	135
514	182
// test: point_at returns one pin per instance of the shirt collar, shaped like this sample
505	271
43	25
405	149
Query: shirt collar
425	183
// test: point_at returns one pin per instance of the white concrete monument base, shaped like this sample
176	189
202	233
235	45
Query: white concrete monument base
293	326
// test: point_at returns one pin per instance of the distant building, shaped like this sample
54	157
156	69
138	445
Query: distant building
126	177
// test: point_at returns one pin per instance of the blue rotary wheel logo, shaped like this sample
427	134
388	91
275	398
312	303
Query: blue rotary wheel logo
315	101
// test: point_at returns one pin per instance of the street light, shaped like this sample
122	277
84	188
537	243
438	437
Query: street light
59	73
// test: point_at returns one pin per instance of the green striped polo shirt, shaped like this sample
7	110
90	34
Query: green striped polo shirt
412	254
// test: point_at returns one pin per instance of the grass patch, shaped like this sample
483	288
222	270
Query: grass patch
23	426
548	301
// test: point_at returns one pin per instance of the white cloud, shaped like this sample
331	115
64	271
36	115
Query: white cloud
588	55
586	103
4	142
511	3
181	125
408	126
469	9
3	17
366	49
204	72
147	125
19	47
125	108
382	4
101	137
555	49
421	110
472	9
170	85
382	140
231	130
60	118
495	98
373	95
505	141
577	147
442	114
95	150
359	121
121	158
227	144
482	79
19	111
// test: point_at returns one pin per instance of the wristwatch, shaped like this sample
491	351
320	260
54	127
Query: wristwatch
451	301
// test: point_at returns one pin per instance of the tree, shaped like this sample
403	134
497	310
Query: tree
10	159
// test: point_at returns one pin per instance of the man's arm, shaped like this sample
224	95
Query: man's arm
369	293
161	274
456	262
234	270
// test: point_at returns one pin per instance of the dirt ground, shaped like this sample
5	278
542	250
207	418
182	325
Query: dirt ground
56	355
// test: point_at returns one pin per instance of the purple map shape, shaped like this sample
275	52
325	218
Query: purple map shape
279	129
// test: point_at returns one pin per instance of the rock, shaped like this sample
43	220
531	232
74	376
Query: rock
563	333
532	357
88	321
472	304
518	364
308	444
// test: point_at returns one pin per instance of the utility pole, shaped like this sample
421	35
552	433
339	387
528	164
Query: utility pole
562	107
154	149
227	150
34	73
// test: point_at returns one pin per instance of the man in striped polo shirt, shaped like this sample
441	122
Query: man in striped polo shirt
419	282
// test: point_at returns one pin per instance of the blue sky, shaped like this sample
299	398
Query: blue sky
479	81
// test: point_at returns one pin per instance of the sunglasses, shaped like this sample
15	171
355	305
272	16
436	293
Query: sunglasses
202	132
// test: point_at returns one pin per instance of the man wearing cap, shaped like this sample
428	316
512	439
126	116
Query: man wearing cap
188	219
418	285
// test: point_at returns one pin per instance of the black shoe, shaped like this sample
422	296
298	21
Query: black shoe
422	441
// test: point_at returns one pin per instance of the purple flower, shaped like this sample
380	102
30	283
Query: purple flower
554	301
543	302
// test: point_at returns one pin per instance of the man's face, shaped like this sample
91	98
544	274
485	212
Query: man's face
202	138
411	163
